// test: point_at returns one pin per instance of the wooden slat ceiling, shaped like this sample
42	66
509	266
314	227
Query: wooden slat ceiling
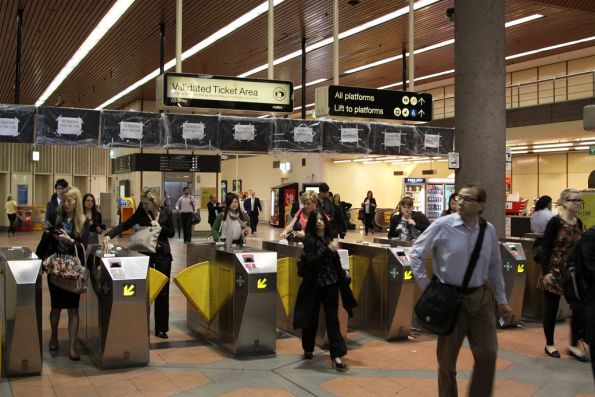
54	29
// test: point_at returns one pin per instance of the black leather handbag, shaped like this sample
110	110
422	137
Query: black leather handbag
438	308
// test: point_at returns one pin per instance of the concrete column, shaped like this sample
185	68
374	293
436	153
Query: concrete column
480	107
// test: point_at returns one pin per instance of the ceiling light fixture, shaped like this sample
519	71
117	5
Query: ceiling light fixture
521	152
298	87
550	150
308	105
552	47
551	145
341	161
372	162
106	23
218	35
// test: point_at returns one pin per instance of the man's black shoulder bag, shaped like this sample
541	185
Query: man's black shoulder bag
437	309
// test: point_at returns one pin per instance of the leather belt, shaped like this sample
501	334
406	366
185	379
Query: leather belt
466	291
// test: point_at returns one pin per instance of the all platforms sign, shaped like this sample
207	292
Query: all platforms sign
344	101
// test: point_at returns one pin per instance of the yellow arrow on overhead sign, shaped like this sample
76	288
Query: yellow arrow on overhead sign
128	290
520	268
408	275
261	283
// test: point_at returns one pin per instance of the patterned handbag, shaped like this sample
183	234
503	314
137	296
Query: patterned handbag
67	272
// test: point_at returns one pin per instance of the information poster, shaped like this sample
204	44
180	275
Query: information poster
22	194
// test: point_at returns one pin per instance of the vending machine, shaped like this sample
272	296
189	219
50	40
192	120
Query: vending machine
438	192
416	189
282	198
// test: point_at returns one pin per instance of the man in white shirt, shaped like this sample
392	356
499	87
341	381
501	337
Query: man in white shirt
451	240
186	205
543	214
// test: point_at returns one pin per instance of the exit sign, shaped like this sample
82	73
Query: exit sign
592	150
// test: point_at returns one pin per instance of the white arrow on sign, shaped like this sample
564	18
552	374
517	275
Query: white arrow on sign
9	127
421	101
421	113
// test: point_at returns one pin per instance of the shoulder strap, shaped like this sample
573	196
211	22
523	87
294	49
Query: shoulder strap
475	254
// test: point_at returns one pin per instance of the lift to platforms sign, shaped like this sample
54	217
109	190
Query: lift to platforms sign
367	103
222	92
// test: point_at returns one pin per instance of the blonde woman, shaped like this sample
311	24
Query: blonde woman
11	210
297	226
561	234
148	214
69	228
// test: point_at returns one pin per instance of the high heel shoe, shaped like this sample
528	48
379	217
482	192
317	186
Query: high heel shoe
339	365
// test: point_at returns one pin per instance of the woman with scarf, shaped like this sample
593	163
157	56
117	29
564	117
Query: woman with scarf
232	225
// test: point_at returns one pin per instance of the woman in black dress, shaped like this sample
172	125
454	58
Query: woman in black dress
93	217
148	214
69	229
369	208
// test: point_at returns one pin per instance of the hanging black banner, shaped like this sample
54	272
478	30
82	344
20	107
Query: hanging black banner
67	126
392	139
242	134
16	123
433	141
297	135
187	131
134	129
345	137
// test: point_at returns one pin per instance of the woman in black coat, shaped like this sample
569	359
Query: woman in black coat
369	209
322	275
407	224
148	214
93	217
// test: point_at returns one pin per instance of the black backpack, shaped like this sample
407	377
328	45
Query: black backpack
574	277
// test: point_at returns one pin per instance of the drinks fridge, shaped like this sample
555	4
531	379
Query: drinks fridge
438	192
282	198
416	189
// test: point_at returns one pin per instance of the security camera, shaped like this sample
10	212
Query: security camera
353	2
450	14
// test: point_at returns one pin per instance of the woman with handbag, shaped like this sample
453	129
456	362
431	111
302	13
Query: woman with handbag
297	226
322	275
148	214
69	231
93	217
561	234
369	209
407	224
232	225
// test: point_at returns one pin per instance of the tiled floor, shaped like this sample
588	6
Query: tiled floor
186	365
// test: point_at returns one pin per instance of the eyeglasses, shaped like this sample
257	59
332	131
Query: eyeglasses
575	200
466	198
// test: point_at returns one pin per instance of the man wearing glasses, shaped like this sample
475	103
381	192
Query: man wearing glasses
451	239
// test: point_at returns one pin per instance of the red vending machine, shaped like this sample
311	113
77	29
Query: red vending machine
282	198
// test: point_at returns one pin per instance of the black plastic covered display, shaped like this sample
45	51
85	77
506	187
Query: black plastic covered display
67	126
297	136
392	139
242	134
346	137
134	129
186	131
433	141
16	123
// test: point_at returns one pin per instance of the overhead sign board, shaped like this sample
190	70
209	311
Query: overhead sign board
182	90
343	101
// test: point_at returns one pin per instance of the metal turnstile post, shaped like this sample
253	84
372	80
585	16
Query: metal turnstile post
114	312
514	270
20	312
232	297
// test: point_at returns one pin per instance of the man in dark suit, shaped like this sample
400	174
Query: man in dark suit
253	208
52	206
214	208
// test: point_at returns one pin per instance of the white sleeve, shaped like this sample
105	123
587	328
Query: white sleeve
419	251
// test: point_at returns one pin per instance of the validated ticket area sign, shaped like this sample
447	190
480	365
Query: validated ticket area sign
223	92
368	103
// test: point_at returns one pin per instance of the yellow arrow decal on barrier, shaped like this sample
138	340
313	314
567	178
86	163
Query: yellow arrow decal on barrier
408	275
520	268
262	283
128	290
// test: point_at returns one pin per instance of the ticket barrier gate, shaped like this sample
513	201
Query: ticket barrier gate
533	298
114	313
232	297
20	312
393	242
288	283
514	271
383	284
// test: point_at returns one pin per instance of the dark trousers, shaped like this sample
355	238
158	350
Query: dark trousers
162	263
253	220
11	219
476	322
329	297
369	226
186	218
551	304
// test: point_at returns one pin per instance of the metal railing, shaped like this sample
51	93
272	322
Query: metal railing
539	92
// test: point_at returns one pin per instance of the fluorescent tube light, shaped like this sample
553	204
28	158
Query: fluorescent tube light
550	150
522	20
341	161
581	148
549	48
297	87
363	159
106	23
551	145
429	76
396	161
308	105
521	152
218	35
518	147
372	162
